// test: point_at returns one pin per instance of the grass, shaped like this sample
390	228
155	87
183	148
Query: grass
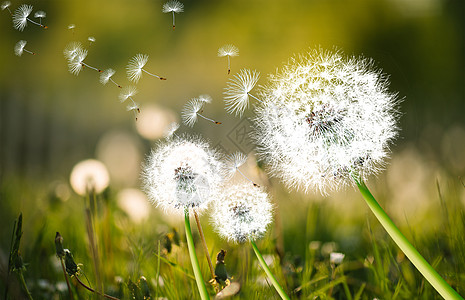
134	255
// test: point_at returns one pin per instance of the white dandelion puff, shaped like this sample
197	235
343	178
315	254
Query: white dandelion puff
171	129
238	89
71	26
128	93
193	109
205	98
40	14
325	119
232	164
229	51
336	258
182	173
89	175
20	48
75	54
242	213
6	5
21	17
135	67
173	6
71	50
106	76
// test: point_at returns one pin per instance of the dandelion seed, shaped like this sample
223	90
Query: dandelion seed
71	50
182	173
233	162
106	76
40	14
6	5
20	48
135	68
75	55
205	98
171	129
20	17
71	27
324	119
238	89
242	213
193	109
173	6
91	40
229	51
127	93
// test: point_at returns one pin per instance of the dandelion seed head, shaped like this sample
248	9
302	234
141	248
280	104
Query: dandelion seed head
325	118
71	50
89	175
71	26
135	65
127	93
233	162
182	173
133	107
75	64
173	6
190	110
40	14
106	75
91	39
19	47
237	90
336	258
205	98
20	16
5	5
242	213
228	50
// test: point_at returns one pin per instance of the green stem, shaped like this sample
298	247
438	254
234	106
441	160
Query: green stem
23	284
413	255
270	275
195	263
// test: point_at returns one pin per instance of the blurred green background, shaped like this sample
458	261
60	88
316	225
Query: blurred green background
50	119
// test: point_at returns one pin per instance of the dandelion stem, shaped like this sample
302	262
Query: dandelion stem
255	98
208	119
204	244
439	284
33	22
23	284
195	262
66	278
90	67
243	175
174	25
94	291
30	52
161	78
267	270
158	271
229	65
115	83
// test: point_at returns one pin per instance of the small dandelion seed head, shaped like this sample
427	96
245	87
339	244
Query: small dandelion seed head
91	39
171	129
336	258
19	47
40	14
233	162
75	64
133	107
135	65
205	98
228	50
173	6
20	16
106	75
71	50
241	213
127	92
325	119
182	173
71	26
190	110
236	94
5	5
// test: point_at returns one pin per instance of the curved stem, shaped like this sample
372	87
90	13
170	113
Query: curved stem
94	291
195	262
438	283
66	278
267	270
23	284
204	244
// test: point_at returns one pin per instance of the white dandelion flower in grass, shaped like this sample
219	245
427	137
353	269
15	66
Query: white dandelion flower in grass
229	51
106	76
21	17
325	119
194	109
135	67
181	173
173	6
6	5
40	15
238	89
242	213
20	48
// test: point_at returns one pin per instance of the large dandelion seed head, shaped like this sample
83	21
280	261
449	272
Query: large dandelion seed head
135	65
20	16
19	47
182	173
228	50
242	213
173	6
237	90
325	119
